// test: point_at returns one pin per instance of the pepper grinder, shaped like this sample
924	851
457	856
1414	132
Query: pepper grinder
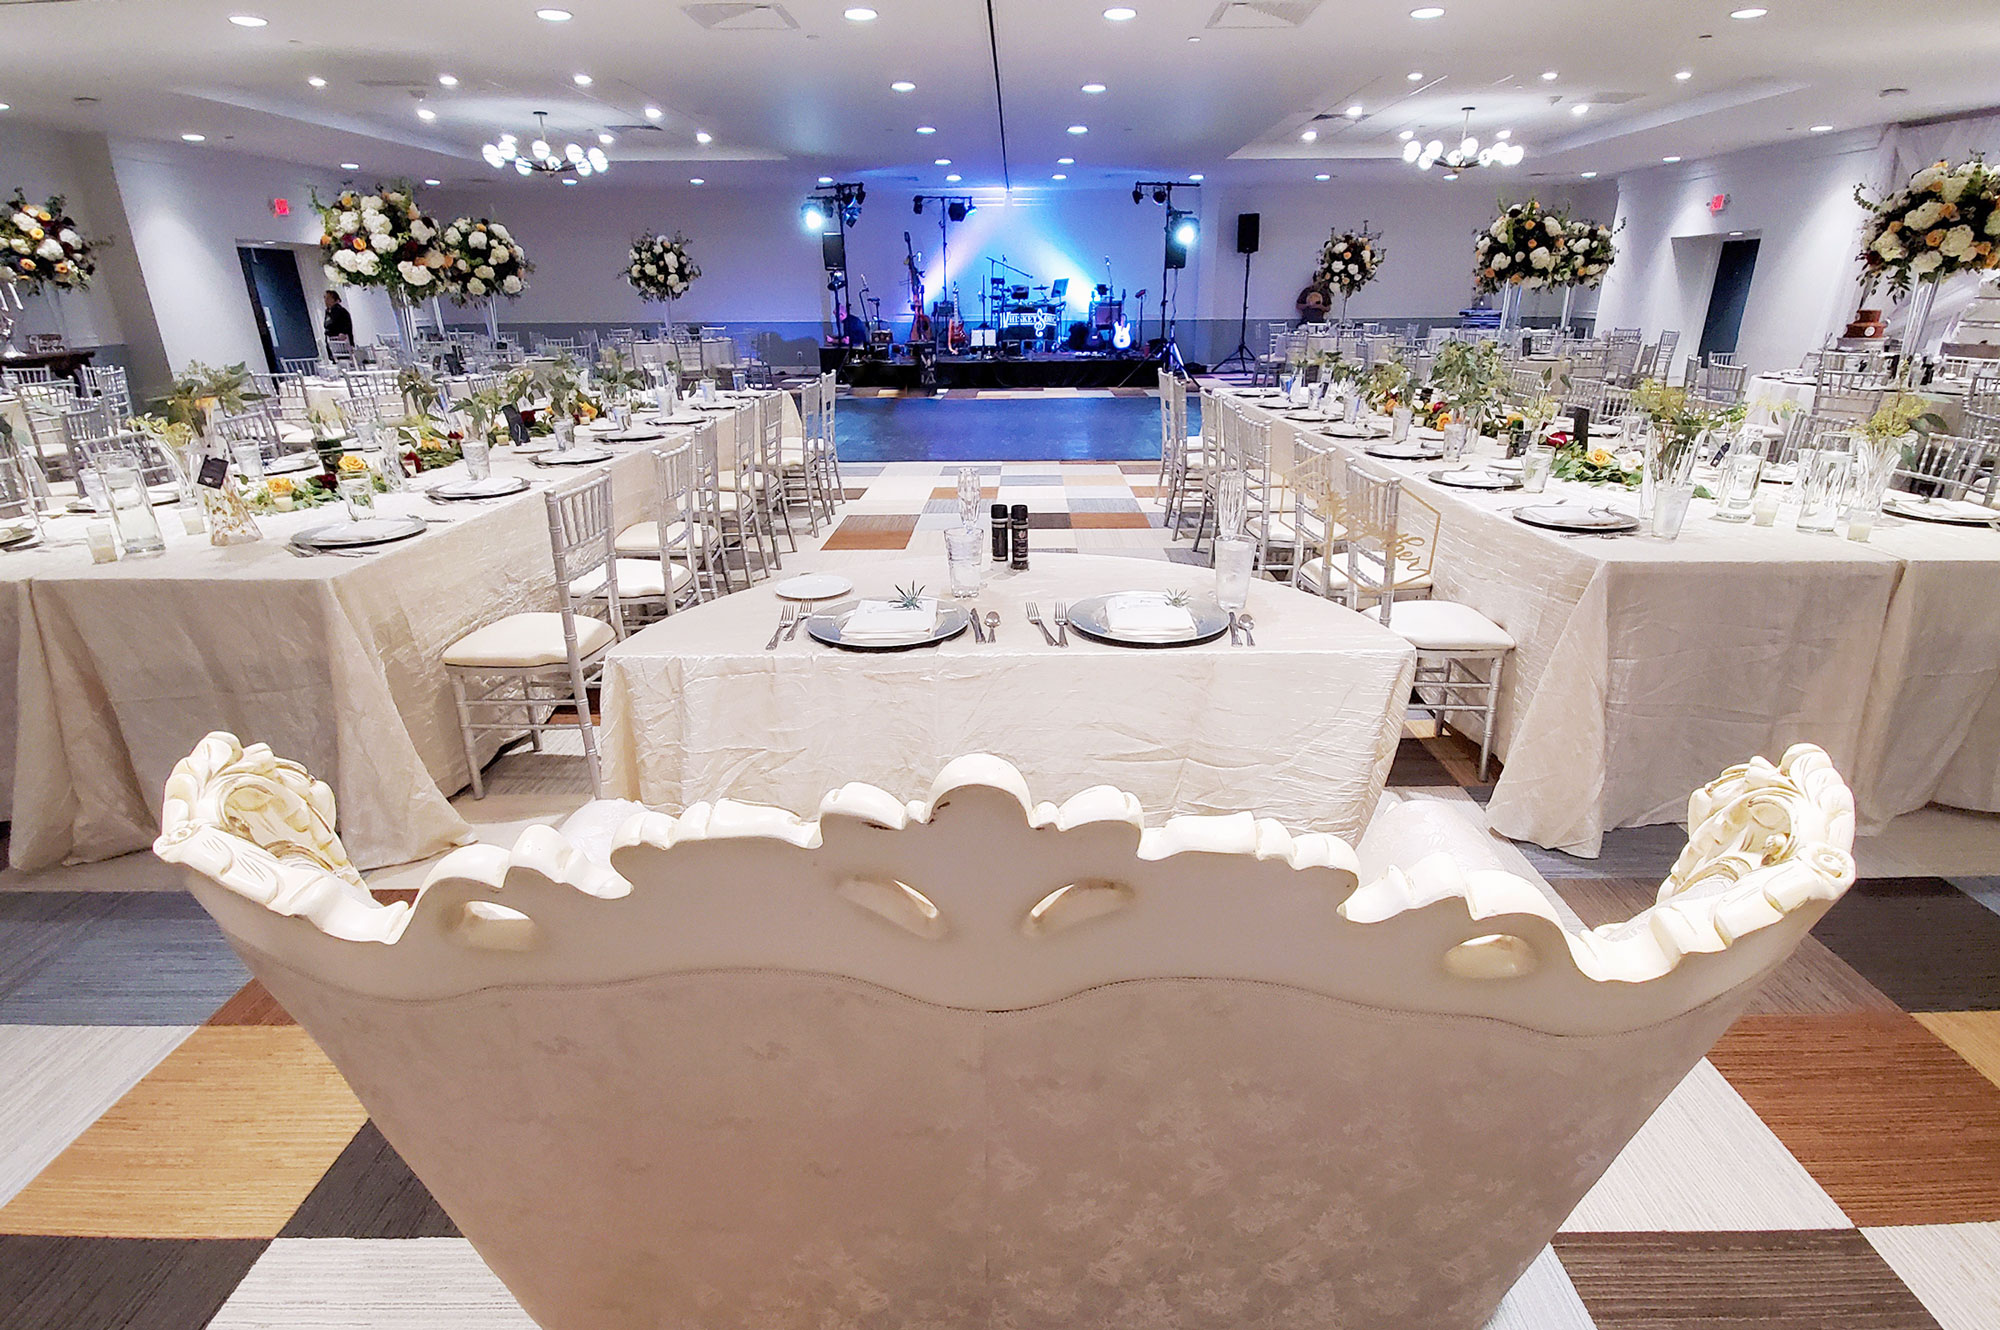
1000	533
1020	525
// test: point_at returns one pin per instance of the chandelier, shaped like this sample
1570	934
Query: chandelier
1463	156
542	157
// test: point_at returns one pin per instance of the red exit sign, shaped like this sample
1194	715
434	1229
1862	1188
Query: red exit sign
1717	204
281	208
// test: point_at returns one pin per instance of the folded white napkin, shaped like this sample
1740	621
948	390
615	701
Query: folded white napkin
1958	508
886	621
1147	614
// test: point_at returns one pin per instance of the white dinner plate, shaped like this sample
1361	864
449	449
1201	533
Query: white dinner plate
13	536
158	495
297	462
582	456
814	586
1476	478
1951	512
492	487
1568	517
637	434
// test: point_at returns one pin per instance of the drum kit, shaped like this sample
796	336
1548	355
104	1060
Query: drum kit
1028	313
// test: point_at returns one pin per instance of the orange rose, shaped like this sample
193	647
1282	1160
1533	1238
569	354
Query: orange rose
1934	238
1949	212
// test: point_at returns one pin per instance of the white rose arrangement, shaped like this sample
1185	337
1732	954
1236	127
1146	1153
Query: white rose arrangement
381	240
659	268
1945	221
42	245
1348	261
482	259
1586	253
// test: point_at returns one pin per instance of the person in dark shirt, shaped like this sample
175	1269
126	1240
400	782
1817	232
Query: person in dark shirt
338	322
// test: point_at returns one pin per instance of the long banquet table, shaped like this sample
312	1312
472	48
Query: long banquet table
1302	727
1643	667
118	669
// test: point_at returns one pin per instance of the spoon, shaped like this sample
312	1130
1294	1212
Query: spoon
1246	623
993	625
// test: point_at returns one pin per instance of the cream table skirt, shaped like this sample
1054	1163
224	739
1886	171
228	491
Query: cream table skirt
119	668
1302	728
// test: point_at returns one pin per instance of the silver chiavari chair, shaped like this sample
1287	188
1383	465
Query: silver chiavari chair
1185	458
804	469
770	412
521	669
829	401
686	525
1318	481
744	517
1945	466
1460	652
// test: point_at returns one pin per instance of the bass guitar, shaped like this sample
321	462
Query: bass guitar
955	337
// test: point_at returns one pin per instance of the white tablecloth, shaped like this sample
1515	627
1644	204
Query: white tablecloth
1772	398
119	669
1302	728
1644	667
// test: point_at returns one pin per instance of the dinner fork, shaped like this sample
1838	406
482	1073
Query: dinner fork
1035	618
1062	624
786	617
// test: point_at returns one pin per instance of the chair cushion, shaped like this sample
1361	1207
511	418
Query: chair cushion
641	540
1409	577
1443	625
638	579
523	641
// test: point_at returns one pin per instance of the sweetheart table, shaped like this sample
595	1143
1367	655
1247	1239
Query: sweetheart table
1302	727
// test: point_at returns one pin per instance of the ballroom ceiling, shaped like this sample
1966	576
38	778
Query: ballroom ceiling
790	91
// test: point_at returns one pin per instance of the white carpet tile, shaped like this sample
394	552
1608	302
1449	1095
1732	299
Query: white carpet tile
55	1080
1954	1269
1543	1299
370	1284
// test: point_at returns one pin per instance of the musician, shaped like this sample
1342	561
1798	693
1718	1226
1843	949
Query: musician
1314	304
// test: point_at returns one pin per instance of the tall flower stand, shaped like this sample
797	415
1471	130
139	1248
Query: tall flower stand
406	328
1510	307
1569	294
492	320
1918	323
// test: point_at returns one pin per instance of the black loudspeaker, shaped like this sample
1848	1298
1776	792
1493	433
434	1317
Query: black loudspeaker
1249	229
833	249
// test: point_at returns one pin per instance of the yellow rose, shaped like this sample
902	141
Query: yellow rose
1599	457
351	464
278	485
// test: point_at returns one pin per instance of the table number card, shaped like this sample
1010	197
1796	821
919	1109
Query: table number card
517	428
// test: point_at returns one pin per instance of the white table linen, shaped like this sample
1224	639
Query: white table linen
1773	398
1303	727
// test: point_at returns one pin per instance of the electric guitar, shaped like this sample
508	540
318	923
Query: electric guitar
1121	331
955	338
920	322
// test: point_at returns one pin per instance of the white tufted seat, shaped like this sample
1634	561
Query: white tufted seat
523	641
641	540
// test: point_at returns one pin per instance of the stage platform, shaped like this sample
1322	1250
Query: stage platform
1041	370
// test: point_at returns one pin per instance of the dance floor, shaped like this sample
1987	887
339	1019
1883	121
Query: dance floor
175	1153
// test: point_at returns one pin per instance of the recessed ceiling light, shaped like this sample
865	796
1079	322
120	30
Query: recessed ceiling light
1581	108
350	166
1670	160
569	182
953	178
1416	76
697	181
430	181
1197	177
1589	175
654	113
1322	176
1121	13
1504	135
1407	135
1059	176
902	85
1354	111
195	138
1685	75
703	137
5	107
1428	11
1822	129
1735	233
425	114
581	80
554	15
1752	12
942	161
1309	136
1093	88
859	14
1079	129
316	81
1550	76
1194	39
607	139
248	20
448	80
926	129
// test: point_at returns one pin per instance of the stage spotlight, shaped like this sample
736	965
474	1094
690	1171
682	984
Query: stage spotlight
813	217
917	205
1138	195
1159	194
1187	230
957	209
1182	232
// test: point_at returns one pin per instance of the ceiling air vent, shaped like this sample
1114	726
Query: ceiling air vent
727	17
1262	13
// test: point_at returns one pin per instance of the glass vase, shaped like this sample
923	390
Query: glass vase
1868	476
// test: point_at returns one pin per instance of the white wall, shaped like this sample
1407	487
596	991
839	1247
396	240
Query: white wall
41	162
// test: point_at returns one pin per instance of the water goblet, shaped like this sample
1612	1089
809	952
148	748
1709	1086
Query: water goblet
965	557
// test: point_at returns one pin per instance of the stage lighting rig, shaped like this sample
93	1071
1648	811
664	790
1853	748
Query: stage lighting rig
957	207
1183	232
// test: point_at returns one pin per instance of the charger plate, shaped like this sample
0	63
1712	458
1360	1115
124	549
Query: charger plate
1089	618
825	627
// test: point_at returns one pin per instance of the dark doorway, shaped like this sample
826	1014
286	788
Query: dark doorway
1728	297
284	320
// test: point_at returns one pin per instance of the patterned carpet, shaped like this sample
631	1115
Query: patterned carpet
174	1153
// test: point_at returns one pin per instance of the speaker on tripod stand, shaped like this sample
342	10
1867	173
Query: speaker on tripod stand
1249	231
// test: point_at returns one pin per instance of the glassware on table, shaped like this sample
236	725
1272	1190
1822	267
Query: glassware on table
621	416
1350	412
91	485
1455	436
248	460
18	494
1737	496
1399	425
358	493
1286	383
192	520
1670	508
131	504
564	428
738	381
103	545
1234	562
1822	476
968	496
478	456
1536	464
1232	503
965	557
1868	477
1764	510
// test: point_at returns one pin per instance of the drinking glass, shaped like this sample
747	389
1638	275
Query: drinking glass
1822	475
1232	503
1351	410
1740	471
103	545
1670	508
621	416
92	486
358	492
249	463
1399	427
968	497
1233	564
478	459
737	381
1764	511
1536	463
1285	384
17	492
131	505
1454	440
965	556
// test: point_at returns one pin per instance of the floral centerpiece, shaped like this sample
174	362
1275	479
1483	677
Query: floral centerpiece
42	244
381	240
1520	248
659	268
1387	385
1466	379
1348	261
1945	221
1585	253
482	259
